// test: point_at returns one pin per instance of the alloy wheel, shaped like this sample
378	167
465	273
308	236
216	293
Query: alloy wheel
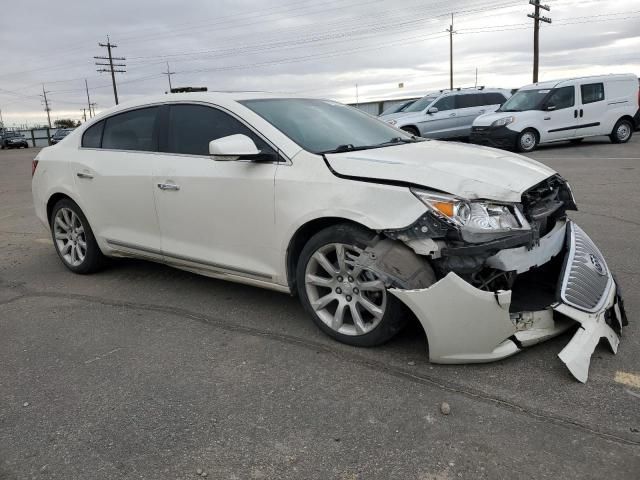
349	299
70	237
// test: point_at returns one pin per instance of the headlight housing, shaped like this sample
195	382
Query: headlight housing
472	218
504	121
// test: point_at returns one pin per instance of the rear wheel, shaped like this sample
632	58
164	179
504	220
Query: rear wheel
73	238
348	303
622	131
527	141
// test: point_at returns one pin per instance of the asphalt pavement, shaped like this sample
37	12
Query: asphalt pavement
143	371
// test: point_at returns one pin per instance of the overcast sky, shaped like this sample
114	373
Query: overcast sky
315	47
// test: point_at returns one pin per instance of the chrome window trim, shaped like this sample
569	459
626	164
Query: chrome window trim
287	160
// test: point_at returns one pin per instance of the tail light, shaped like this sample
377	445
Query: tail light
34	165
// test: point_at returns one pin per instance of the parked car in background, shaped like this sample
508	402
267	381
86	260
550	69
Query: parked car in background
447	113
401	107
60	134
13	140
323	201
570	109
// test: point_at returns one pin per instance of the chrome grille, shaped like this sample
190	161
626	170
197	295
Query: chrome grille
586	276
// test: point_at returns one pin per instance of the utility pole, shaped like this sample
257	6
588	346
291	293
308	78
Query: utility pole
451	32
46	105
88	100
92	106
536	32
168	73
111	65
84	114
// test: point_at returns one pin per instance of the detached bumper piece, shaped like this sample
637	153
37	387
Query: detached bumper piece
466	325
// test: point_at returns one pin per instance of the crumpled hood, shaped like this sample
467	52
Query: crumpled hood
469	171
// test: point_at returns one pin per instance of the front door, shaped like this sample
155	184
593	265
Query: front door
113	173
214	215
560	115
443	123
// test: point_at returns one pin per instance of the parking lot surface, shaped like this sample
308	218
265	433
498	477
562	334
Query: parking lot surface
143	371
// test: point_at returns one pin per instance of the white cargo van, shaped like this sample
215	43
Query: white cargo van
560	110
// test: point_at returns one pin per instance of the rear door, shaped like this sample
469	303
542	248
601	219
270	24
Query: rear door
560	115
592	111
468	107
216	216
112	173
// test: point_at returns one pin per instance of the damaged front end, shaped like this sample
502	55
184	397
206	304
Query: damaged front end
503	278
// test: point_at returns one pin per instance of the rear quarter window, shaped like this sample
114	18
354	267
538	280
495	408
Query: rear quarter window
92	138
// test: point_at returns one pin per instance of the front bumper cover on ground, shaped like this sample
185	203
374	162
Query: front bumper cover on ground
465	325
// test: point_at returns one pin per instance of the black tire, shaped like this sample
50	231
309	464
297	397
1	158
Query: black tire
93	259
622	131
411	131
395	314
576	141
527	141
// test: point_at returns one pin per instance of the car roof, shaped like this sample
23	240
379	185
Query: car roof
592	78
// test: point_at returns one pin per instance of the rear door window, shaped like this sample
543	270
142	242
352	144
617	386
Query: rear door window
493	98
192	127
466	101
592	92
135	130
92	138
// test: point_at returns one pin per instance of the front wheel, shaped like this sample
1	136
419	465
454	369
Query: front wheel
621	132
348	303
73	238
527	141
411	131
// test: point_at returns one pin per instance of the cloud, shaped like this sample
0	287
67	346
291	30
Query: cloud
320	49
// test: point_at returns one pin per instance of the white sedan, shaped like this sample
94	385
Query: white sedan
365	223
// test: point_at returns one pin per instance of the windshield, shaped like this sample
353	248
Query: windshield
323	126
525	100
423	103
398	108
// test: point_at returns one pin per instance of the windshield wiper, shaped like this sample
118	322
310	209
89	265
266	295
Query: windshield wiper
351	148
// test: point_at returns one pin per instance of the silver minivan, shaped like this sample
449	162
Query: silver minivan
447	113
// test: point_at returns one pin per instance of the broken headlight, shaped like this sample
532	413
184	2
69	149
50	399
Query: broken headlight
474	217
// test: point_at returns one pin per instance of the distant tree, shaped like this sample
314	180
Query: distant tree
64	123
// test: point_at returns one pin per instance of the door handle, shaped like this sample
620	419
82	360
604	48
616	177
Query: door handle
168	186
84	175
581	113
452	115
575	114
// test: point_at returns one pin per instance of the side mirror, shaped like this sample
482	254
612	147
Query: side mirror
432	110
233	147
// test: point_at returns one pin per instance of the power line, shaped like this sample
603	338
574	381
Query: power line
536	32
111	65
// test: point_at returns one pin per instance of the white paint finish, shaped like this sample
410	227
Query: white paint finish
593	327
223	212
462	324
521	259
469	171
621	99
118	198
